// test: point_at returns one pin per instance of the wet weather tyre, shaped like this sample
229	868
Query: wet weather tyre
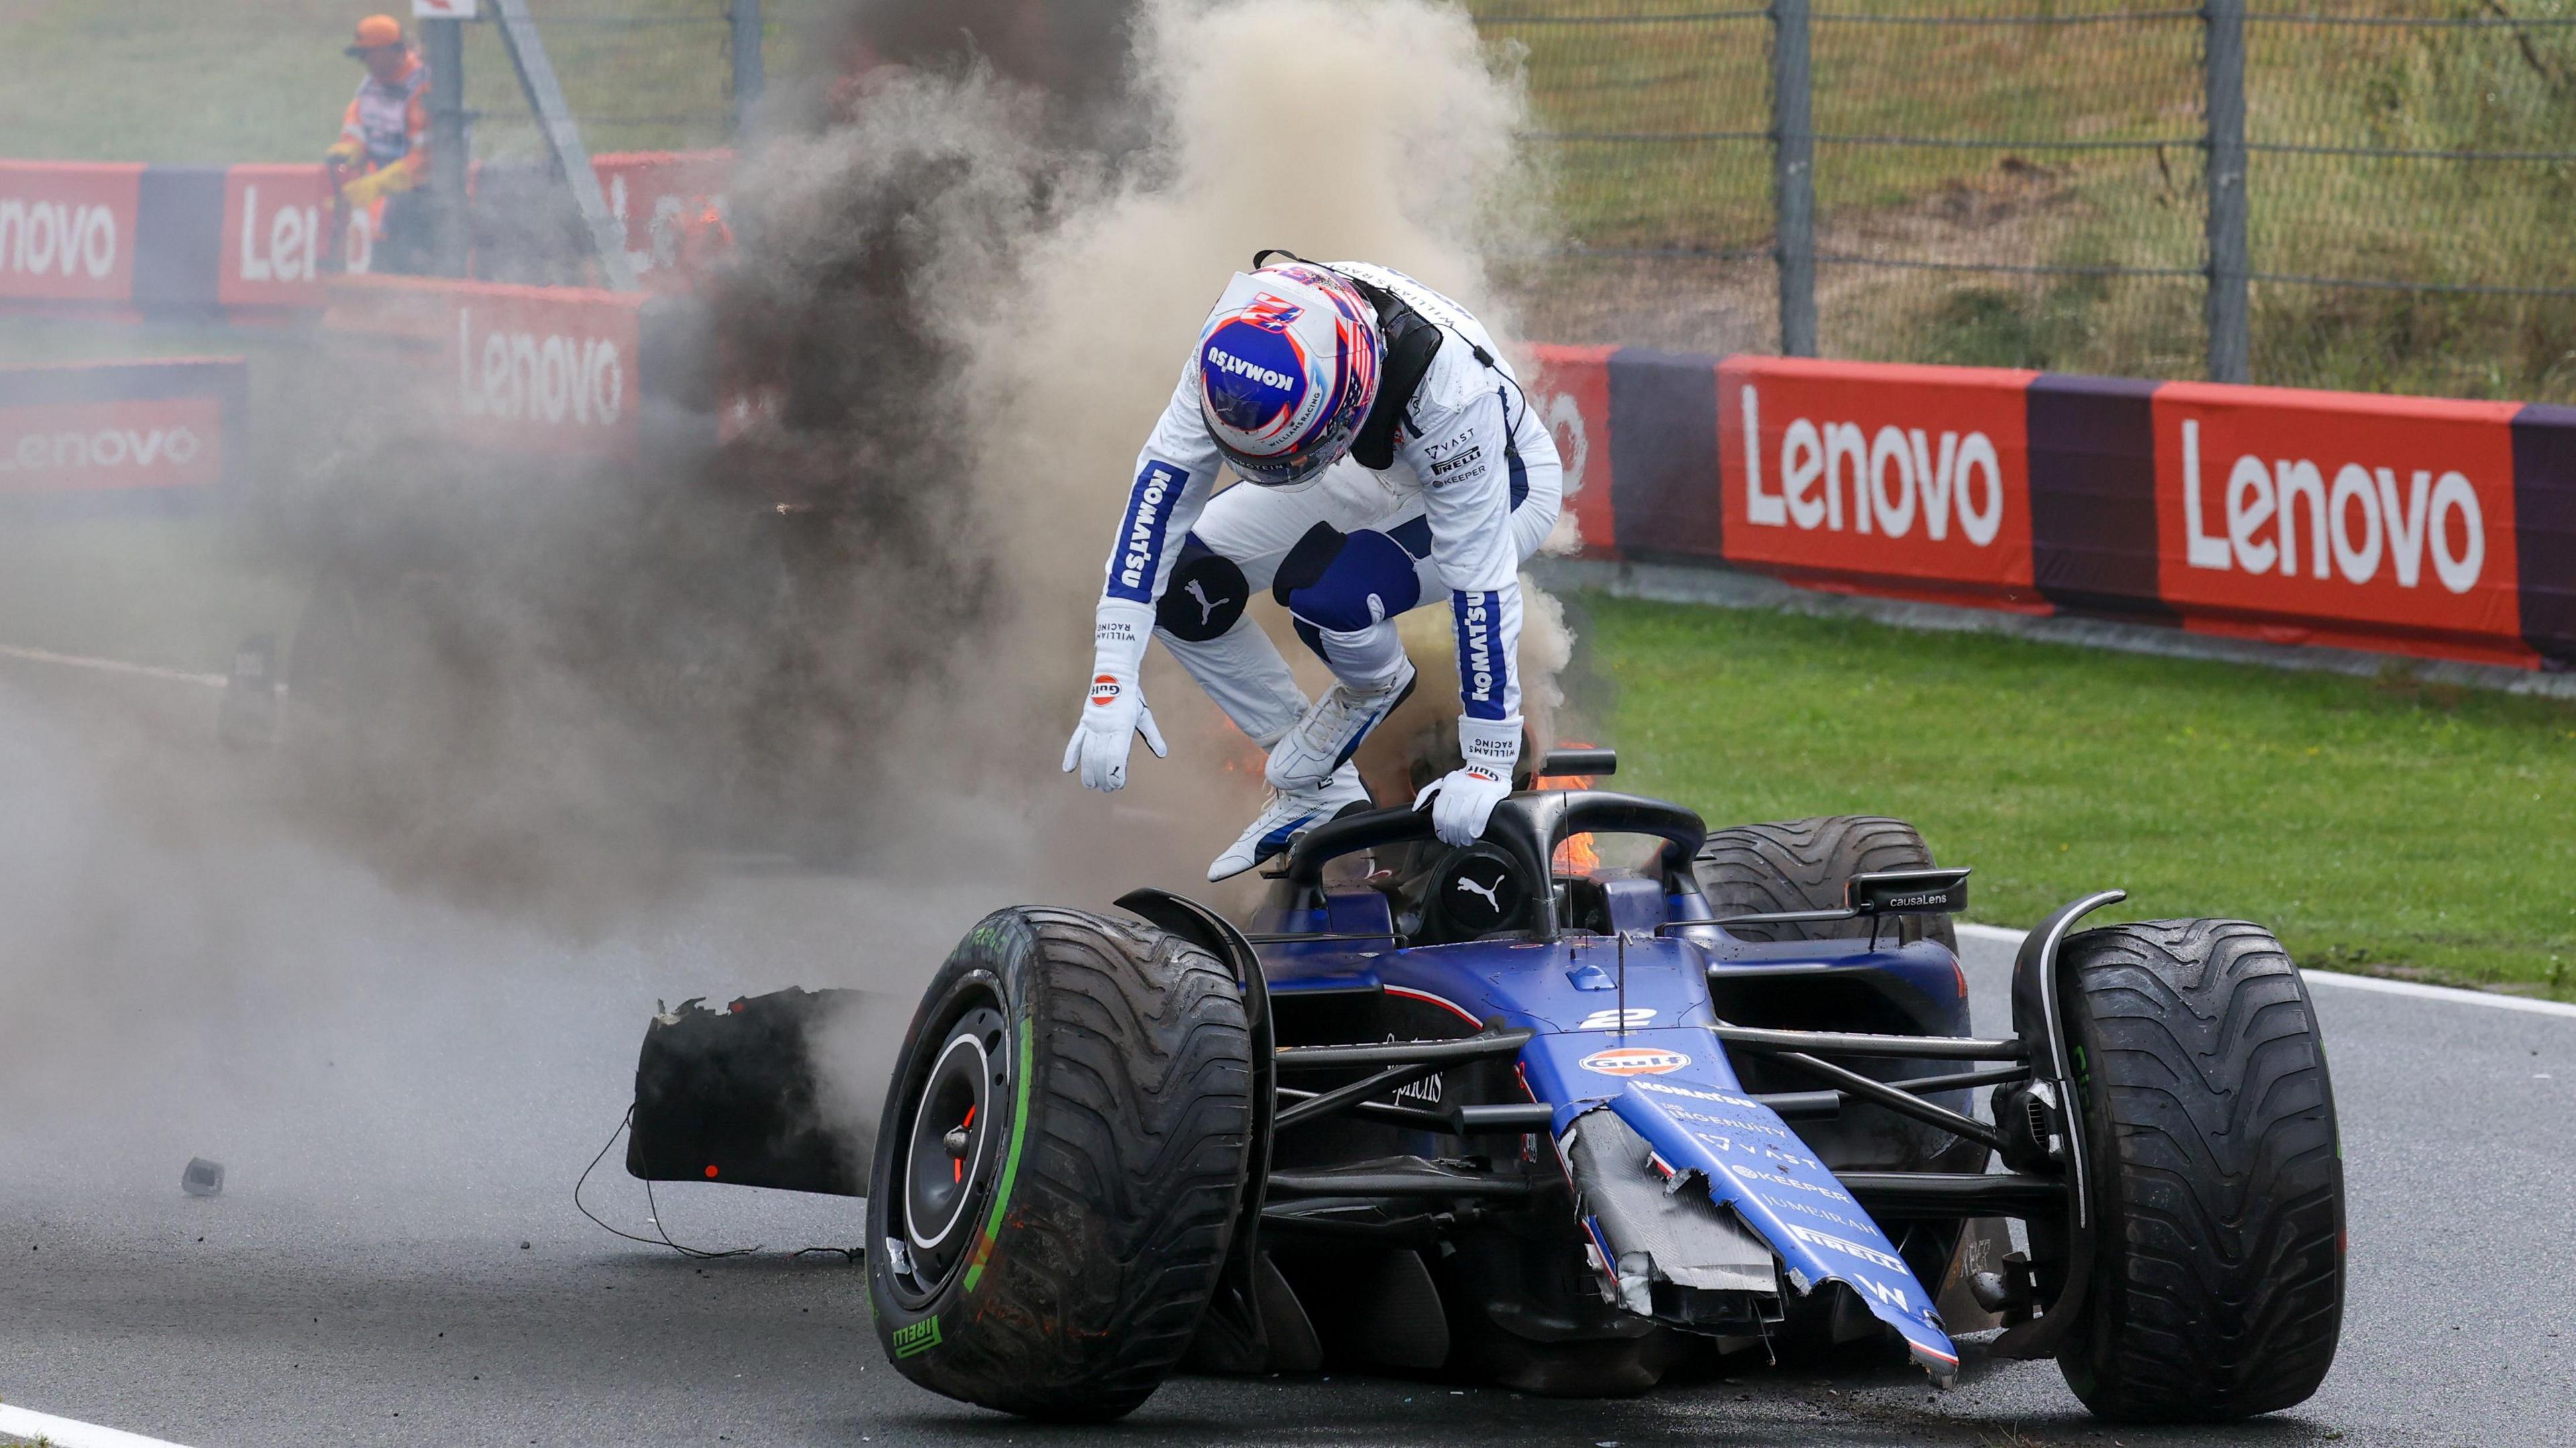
1059	1163
2216	1174
1802	864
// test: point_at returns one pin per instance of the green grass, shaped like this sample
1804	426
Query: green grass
2375	824
213	82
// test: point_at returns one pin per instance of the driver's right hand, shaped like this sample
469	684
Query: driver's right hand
1113	714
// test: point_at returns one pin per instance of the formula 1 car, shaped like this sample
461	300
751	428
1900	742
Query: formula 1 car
1512	1114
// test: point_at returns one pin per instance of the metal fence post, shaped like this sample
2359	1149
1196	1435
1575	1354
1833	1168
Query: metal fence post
1793	176
2230	324
748	76
445	40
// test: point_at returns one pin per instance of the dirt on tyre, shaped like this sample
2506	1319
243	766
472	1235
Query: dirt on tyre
1802	864
1062	1153
2216	1173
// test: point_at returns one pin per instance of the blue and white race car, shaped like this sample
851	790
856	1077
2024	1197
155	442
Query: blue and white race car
1510	1113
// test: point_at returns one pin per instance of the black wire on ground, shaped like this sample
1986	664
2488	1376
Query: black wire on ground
694	1253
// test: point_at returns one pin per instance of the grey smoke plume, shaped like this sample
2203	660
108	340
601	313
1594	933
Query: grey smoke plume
969	267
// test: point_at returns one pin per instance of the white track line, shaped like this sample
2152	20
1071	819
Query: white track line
1998	935
65	1433
110	666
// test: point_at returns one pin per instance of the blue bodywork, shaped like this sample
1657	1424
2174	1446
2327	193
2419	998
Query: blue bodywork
1624	1023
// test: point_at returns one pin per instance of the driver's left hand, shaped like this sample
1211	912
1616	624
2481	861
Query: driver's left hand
1462	801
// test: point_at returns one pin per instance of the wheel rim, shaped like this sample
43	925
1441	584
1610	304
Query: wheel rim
949	1148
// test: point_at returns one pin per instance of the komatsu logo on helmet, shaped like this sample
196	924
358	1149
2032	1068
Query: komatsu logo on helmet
1287	368
1256	378
1224	361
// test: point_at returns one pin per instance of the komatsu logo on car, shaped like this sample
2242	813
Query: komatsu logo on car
1225	361
1635	1061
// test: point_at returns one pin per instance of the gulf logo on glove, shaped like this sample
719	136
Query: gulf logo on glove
1900	473
1104	689
2278	508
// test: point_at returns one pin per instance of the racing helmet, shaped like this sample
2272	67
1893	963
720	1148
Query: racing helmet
1287	370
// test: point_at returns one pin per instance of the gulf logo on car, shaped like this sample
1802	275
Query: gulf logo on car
1635	1061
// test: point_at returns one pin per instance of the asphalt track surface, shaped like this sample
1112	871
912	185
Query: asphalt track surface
396	1260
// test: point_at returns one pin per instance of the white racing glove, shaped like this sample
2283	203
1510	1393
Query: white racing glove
1115	711
1464	799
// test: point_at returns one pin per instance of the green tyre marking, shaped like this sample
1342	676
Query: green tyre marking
916	1338
1011	1161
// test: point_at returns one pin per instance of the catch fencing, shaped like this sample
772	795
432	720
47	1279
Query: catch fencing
2368	196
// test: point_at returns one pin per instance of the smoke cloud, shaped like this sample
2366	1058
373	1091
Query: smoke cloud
784	711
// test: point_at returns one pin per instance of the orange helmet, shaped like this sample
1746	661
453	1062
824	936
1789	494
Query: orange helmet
376	32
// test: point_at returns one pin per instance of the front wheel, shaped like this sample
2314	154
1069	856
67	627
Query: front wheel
1059	1166
2217	1174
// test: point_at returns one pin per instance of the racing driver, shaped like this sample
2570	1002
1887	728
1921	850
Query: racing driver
1387	458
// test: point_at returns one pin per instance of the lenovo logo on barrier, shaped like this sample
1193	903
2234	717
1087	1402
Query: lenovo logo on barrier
96	446
2349	514
67	230
555	379
56	238
1869	471
1892	477
2368	520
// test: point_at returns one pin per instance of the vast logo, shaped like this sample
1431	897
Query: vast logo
1839	475
2285	517
57	238
553	379
1635	1061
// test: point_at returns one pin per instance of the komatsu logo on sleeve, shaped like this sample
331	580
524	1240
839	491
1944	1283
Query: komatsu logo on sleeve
1479	665
1140	546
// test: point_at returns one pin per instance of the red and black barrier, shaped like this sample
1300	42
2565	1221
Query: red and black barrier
121	436
2421	526
174	241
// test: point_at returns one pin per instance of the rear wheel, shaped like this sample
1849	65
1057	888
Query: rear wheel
2217	1173
1059	1166
1802	864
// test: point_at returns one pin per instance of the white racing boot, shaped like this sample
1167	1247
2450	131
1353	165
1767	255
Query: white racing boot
1289	811
1326	735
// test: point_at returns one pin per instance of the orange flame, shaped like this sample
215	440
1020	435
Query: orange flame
1577	855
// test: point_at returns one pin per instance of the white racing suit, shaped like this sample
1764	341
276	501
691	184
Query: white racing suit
1470	487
